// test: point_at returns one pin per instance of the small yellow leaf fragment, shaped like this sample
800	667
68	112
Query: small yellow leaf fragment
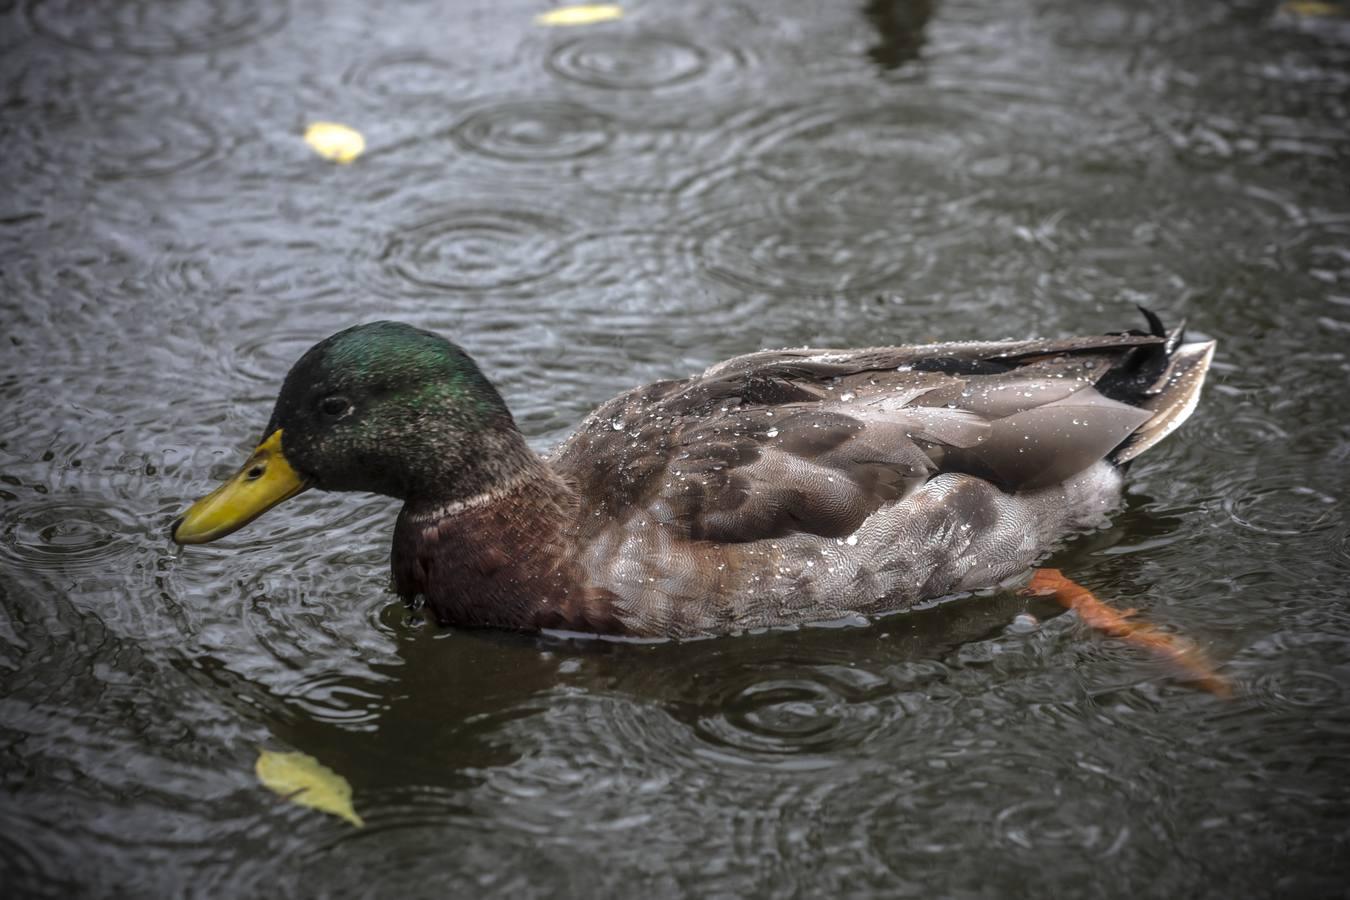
334	141
1312	10
302	779
582	14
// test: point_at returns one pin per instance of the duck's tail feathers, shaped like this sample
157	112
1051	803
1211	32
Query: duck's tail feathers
1173	395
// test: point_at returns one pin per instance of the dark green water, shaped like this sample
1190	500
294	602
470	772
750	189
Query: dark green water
590	208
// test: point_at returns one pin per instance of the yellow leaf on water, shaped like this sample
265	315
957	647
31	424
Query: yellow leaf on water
1311	9
584	14
302	779
334	141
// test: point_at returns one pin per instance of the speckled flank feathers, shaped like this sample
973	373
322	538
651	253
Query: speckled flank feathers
794	486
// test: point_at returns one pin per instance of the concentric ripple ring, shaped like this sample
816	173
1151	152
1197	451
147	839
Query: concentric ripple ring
528	131
477	249
639	62
146	28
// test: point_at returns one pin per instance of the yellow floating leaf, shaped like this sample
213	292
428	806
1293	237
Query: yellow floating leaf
1312	10
302	779
583	14
334	141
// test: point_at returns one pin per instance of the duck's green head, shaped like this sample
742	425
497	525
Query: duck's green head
383	407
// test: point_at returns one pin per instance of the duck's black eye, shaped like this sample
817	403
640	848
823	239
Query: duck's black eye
334	406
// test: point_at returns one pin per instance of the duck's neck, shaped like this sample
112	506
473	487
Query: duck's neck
449	468
504	556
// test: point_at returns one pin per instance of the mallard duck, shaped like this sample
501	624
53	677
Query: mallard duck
777	488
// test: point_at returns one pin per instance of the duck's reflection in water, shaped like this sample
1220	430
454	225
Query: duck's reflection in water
444	708
899	25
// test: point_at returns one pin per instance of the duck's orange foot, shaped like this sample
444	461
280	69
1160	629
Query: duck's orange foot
1179	651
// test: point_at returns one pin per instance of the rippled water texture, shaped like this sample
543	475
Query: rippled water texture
590	208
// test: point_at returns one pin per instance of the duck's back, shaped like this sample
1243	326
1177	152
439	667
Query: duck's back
802	485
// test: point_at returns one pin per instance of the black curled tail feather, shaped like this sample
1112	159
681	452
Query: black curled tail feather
1163	378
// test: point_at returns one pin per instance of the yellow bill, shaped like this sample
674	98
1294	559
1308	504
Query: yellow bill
265	480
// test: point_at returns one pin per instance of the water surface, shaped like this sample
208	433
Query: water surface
586	209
